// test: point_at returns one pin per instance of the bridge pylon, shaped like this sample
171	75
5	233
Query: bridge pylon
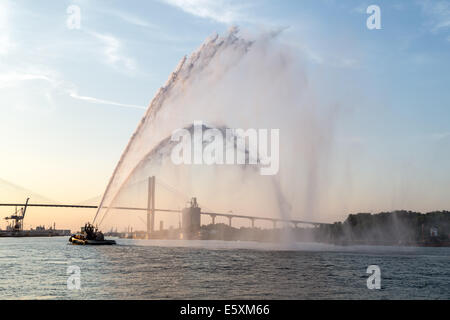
151	206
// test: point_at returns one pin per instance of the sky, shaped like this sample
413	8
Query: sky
70	98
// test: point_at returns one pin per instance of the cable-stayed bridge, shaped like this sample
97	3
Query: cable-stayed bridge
151	210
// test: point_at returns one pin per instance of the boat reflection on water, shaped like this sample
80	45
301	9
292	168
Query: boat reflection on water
90	235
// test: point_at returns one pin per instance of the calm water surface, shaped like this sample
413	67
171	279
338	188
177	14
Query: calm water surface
36	268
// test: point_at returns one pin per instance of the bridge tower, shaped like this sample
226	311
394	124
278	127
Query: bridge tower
151	206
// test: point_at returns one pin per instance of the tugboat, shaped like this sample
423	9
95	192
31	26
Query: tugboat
90	235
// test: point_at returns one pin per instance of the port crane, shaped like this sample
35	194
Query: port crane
17	223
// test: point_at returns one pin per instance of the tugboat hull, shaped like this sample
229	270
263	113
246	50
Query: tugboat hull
92	242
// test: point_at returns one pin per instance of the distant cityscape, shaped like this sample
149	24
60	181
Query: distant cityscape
386	228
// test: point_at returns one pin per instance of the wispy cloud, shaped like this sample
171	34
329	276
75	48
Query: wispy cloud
360	9
336	60
440	135
112	50
438	13
224	11
130	18
19	79
74	94
12	79
23	72
5	34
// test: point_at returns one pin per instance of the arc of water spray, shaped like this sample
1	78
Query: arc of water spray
161	144
152	108
199	59
158	99
283	204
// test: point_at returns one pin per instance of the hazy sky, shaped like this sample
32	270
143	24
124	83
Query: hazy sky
71	98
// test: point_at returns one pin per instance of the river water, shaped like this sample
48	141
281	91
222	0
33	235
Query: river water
36	268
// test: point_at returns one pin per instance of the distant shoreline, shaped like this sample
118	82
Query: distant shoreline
398	228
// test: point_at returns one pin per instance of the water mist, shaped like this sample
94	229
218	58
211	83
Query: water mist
230	82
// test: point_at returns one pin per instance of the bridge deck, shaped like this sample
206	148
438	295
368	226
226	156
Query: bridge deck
228	215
